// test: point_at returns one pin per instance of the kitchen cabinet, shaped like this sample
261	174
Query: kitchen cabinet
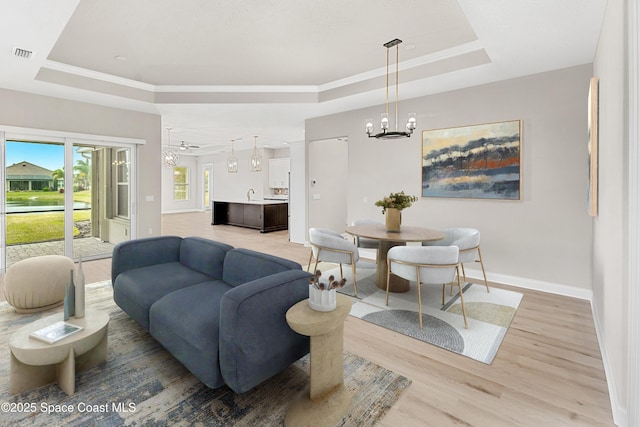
279	173
262	215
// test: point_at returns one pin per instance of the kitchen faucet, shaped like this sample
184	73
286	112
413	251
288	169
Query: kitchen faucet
249	194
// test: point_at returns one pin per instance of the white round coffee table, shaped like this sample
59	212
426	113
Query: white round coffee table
35	363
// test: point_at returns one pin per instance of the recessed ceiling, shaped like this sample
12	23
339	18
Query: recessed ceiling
218	70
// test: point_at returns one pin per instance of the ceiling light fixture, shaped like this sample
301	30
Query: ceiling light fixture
256	158
384	119
169	157
232	161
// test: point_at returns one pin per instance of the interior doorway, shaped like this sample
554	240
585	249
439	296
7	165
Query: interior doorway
328	179
207	185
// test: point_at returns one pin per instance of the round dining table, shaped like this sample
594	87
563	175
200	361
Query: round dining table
389	239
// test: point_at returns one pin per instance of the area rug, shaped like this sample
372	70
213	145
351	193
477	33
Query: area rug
489	315
142	384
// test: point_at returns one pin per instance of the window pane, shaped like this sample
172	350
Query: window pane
180	183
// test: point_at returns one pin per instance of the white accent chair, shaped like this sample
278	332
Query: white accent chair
364	242
329	246
468	242
425	265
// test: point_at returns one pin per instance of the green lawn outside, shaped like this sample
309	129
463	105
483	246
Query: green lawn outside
78	196
46	226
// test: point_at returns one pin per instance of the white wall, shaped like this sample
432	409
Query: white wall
42	112
194	202
610	228
542	241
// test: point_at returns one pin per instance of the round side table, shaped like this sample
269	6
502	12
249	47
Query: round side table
327	399
35	363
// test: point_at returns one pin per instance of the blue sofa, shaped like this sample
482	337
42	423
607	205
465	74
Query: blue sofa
220	311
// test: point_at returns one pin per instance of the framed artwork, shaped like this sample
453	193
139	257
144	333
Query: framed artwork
478	161
592	146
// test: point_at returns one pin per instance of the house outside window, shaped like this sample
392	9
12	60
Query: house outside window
180	183
122	183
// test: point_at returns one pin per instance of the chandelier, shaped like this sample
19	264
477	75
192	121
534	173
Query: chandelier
169	157
384	119
256	158
232	161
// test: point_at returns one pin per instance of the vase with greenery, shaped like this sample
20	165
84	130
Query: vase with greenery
392	206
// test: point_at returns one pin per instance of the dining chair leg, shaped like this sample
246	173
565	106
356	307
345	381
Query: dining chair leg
419	296
388	277
444	285
464	312
310	258
483	272
341	276
353	272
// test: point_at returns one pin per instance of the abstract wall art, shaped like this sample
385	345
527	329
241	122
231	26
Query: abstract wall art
478	161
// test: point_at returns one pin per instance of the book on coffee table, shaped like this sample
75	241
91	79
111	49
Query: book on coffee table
55	332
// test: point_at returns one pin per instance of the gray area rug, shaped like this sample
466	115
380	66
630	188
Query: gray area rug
489	315
142	384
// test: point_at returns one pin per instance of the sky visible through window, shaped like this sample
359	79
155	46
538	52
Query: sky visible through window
48	156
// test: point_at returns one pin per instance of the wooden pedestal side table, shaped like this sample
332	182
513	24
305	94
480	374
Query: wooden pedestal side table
327	398
35	363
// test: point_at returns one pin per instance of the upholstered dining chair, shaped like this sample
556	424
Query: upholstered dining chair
329	246
425	265
468	242
363	242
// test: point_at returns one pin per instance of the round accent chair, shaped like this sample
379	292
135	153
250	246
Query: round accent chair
38	283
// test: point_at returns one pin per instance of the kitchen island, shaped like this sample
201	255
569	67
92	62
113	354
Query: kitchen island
264	215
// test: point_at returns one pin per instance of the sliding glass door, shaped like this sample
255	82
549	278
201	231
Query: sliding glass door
63	196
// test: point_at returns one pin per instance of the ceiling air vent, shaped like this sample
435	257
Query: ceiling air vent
22	53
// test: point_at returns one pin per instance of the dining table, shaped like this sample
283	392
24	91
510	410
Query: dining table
387	240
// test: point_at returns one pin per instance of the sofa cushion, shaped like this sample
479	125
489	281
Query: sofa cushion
186	322
144	252
237	262
203	255
137	289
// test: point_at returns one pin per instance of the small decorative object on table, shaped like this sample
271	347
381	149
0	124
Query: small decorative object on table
322	296
392	207
79	285
70	298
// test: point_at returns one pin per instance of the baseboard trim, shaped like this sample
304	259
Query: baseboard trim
181	211
620	414
533	284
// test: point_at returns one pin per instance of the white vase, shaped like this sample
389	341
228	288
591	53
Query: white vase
322	300
79	291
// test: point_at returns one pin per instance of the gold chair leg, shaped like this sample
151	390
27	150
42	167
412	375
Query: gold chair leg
388	277
353	270
310	258
464	312
419	296
341	276
486	283
444	286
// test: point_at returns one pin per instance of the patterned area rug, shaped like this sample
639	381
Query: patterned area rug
488	314
142	384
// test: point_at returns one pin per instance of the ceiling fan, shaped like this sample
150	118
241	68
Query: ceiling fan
185	146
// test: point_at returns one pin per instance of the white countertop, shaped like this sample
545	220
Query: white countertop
253	202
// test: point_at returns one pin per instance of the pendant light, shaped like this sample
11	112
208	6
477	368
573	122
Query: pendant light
169	157
256	158
232	161
384	117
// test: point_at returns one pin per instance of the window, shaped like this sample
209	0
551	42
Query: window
122	183
180	183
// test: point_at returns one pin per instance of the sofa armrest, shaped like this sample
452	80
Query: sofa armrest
144	252
255	340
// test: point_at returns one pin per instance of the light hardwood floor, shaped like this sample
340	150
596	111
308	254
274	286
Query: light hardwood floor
547	372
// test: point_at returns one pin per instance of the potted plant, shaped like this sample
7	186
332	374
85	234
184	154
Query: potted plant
392	207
